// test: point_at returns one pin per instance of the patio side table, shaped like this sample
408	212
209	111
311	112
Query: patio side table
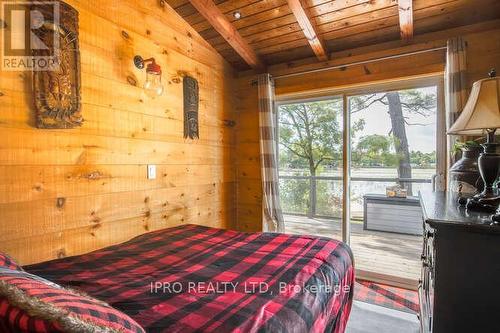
391	214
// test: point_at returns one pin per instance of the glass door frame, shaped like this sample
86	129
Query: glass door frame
345	93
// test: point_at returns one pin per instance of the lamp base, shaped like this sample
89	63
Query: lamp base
489	166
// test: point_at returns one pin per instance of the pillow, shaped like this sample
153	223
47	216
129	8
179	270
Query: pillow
29	303
8	262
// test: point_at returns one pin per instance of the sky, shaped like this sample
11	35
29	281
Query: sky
377	121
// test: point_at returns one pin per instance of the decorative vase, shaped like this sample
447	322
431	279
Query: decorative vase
464	174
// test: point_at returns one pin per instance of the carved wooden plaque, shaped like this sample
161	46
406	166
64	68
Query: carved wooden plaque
57	91
191	103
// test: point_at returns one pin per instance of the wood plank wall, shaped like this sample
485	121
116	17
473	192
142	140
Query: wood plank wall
99	172
249	185
483	54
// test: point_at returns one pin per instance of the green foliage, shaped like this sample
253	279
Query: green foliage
378	150
375	150
294	195
329	198
423	160
311	135
471	144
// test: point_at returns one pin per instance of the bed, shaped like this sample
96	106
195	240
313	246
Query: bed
198	279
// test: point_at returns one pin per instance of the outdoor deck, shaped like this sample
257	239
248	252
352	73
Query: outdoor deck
384	253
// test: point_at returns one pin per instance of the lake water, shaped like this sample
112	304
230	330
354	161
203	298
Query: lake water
329	201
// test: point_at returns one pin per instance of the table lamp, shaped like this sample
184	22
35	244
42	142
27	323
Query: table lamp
480	116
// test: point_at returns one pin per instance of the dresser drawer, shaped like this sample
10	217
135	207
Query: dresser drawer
426	285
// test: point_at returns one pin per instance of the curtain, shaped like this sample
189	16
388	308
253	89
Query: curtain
456	93
272	214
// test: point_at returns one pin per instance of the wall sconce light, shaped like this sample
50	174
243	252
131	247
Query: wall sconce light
153	85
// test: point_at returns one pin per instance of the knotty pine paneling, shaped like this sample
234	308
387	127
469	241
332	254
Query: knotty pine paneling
67	192
249	188
483	53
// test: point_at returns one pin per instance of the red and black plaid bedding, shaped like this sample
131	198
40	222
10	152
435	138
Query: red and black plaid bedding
198	279
29	303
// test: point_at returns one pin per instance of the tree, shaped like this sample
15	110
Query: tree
374	150
311	137
412	101
423	160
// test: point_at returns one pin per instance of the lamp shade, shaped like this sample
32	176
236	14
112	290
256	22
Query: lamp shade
482	110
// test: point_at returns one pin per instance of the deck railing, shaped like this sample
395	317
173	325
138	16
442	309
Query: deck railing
313	180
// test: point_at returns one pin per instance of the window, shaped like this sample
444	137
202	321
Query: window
358	143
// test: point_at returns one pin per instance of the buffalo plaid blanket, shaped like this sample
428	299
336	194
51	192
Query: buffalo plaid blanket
199	279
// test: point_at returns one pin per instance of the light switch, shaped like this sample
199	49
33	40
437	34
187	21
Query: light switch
151	171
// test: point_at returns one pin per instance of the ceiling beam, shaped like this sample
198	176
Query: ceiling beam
406	19
223	26
309	29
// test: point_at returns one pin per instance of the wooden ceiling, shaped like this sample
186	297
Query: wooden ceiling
275	31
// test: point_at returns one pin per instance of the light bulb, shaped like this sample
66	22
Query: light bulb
153	86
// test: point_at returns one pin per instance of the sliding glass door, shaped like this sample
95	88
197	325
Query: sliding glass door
393	143
337	156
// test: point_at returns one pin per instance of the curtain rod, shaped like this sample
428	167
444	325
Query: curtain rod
324	69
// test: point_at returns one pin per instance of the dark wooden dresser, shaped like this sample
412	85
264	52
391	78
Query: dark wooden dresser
460	286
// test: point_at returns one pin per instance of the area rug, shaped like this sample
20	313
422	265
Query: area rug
390	297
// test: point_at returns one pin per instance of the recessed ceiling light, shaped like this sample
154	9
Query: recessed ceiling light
237	15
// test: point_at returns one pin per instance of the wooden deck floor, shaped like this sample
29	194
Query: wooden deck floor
383	253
